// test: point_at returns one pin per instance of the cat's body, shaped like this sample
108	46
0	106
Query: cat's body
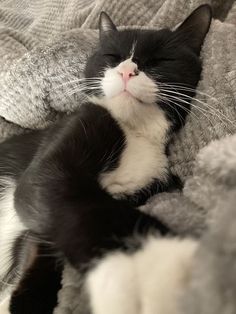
78	183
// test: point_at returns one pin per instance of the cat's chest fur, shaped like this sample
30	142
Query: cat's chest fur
143	158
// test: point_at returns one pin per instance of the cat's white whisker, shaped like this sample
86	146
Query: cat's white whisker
201	110
80	83
187	88
180	106
79	89
211	108
175	109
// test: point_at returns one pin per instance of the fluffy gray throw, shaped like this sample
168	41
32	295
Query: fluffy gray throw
44	45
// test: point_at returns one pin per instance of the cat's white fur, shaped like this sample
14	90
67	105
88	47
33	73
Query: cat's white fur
10	228
147	282
10	224
133	105
143	158
4	305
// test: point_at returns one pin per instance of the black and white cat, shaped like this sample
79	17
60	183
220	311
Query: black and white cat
77	184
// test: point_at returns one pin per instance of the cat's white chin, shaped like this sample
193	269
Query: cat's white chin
126	93
128	97
123	106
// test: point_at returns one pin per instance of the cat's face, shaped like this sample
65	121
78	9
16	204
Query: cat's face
146	67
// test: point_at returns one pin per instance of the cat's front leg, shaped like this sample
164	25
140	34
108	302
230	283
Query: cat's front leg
82	226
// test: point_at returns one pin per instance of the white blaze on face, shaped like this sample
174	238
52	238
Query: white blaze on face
133	49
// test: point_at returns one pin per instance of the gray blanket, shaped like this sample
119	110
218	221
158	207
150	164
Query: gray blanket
44	45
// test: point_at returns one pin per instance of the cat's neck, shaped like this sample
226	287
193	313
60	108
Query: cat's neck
142	120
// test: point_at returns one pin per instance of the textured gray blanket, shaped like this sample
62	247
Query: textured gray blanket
44	45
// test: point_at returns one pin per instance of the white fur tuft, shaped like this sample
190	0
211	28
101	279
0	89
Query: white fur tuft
10	224
4	306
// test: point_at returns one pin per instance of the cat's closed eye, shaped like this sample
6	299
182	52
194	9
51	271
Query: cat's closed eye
157	60
112	57
136	60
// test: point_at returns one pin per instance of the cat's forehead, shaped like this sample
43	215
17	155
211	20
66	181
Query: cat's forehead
138	41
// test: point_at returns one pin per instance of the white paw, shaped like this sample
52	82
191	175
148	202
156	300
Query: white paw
117	185
145	282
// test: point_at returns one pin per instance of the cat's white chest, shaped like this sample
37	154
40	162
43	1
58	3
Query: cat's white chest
142	161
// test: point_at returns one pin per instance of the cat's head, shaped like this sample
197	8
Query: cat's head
138	67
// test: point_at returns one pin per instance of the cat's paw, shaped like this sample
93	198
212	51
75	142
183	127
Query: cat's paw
147	281
116	187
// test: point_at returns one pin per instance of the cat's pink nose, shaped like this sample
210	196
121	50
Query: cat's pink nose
127	73
127	69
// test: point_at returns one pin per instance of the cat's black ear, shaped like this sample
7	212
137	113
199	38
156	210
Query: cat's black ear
194	29
105	24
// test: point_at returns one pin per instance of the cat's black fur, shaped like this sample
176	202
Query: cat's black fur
36	293
58	195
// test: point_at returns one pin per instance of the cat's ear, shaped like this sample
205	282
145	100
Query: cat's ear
194	29
105	24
